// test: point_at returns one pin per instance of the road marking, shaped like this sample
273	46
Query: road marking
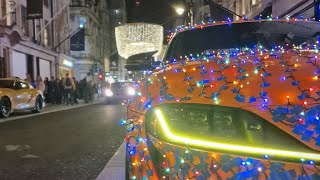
47	112
116	167
11	147
30	156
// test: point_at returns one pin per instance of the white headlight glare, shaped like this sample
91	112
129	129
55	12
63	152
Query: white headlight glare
109	93
131	91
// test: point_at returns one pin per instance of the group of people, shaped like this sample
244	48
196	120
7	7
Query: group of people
63	91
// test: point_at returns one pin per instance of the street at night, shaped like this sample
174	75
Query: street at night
70	144
159	89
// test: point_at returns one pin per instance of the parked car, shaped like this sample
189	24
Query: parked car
119	92
17	95
234	100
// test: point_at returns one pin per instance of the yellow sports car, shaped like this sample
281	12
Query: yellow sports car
16	95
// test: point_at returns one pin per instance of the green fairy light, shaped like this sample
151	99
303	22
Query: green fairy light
256	71
168	170
182	161
247	75
302	113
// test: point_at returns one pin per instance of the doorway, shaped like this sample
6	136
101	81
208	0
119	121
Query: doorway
30	69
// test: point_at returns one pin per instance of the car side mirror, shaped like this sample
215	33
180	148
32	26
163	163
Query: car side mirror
254	127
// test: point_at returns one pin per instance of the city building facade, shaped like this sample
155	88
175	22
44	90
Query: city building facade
205	10
90	17
115	65
28	46
24	47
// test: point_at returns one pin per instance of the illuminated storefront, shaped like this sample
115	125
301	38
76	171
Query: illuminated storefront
66	64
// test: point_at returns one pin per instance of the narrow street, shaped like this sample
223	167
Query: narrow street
71	144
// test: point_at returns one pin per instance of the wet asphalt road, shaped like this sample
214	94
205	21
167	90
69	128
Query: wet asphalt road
72	144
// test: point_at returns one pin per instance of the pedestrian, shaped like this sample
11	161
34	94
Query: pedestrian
46	90
62	93
28	79
40	84
75	90
52	90
69	87
59	92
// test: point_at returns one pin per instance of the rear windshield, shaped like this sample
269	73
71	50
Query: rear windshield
242	35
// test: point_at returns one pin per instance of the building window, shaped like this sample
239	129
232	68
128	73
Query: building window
37	27
47	35
25	22
3	12
82	22
206	2
206	17
46	3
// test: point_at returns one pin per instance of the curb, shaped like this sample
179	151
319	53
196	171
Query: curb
47	112
116	167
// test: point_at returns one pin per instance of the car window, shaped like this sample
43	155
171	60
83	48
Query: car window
6	84
222	124
22	85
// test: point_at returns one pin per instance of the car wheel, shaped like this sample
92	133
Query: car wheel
38	105
5	105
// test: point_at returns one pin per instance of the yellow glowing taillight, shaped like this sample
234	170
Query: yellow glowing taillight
230	147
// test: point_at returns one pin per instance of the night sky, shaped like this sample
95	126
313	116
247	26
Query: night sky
152	11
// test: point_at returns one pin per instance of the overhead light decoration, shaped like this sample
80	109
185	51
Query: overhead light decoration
138	38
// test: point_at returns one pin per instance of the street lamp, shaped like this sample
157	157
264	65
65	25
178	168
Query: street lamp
180	11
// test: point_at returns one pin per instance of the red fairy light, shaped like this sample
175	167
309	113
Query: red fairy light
305	103
301	121
311	89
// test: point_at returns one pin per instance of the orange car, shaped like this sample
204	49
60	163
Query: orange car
231	101
19	95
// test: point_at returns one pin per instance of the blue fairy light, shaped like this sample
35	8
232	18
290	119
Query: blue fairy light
311	162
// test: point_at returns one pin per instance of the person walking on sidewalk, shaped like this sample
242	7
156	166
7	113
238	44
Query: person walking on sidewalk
69	87
40	84
75	90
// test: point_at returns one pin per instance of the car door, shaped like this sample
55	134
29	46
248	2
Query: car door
23	95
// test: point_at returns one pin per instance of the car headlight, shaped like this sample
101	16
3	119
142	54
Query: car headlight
108	93
131	91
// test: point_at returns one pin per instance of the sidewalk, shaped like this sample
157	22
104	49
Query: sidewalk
50	109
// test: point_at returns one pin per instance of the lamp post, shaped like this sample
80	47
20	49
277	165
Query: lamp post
180	9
